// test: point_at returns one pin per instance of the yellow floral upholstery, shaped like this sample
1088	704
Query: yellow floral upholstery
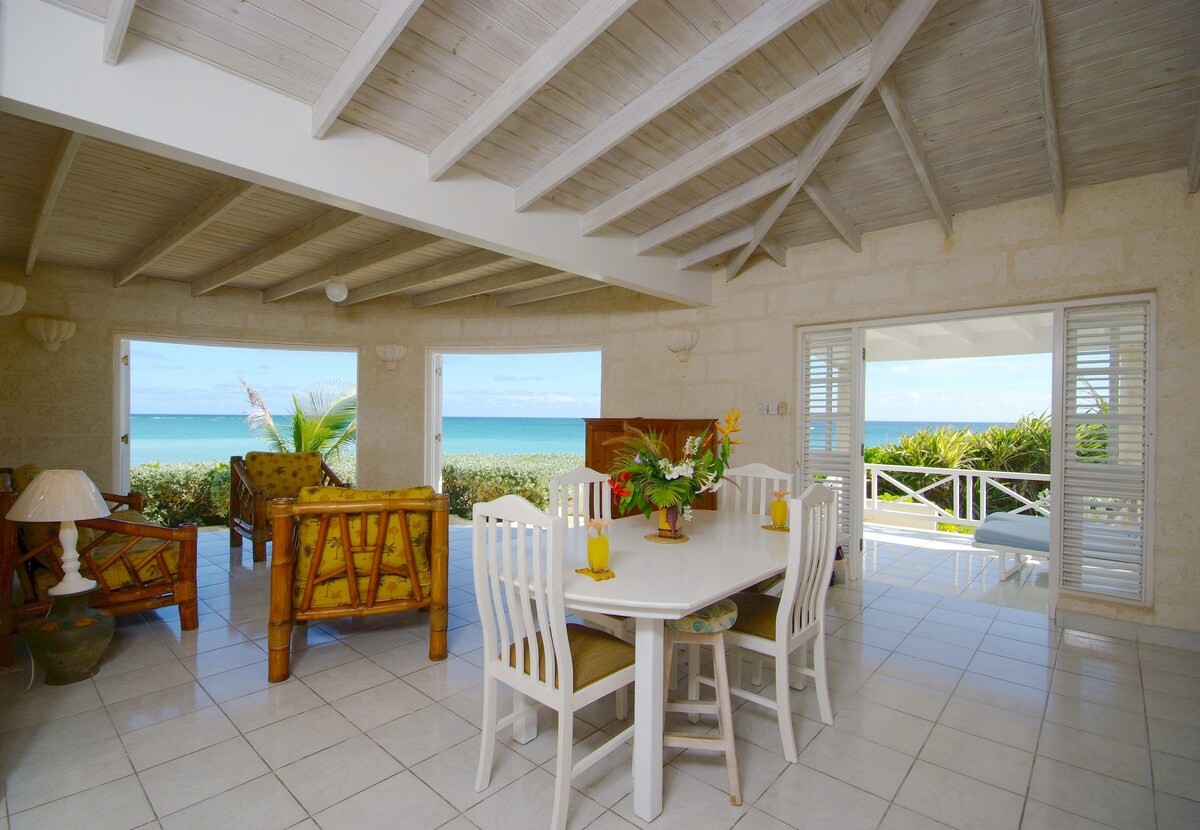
335	592
280	475
595	655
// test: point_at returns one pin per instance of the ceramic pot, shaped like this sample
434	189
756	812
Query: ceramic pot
69	641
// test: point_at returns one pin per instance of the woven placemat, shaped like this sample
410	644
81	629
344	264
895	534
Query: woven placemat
663	540
783	529
596	575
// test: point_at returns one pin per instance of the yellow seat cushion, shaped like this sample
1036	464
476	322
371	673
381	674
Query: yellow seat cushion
280	475
594	655
335	592
756	614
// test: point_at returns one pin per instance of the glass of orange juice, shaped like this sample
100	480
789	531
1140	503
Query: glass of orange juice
597	544
779	509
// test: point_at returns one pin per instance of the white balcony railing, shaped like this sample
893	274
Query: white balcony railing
970	488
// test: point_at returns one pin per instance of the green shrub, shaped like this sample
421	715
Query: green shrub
475	477
191	492
343	467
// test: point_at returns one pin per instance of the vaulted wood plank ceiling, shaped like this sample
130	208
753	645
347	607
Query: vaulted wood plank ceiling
718	130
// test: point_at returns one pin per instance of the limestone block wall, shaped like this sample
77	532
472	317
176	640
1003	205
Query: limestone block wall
1125	237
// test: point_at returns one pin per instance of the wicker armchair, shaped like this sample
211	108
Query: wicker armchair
350	553
139	566
260	478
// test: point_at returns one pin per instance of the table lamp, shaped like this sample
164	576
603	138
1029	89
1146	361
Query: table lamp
62	496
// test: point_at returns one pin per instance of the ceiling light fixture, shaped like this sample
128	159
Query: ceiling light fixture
337	291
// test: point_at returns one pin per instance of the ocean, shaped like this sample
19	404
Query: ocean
176	438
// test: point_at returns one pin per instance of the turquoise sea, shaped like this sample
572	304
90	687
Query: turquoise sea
176	438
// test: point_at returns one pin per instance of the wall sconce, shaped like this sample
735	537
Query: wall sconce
12	298
337	291
49	332
682	342
391	353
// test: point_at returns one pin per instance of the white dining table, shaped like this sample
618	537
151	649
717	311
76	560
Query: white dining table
725	553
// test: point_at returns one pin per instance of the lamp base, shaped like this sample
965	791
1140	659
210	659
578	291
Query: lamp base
70	640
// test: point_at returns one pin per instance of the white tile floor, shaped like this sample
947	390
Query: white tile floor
957	705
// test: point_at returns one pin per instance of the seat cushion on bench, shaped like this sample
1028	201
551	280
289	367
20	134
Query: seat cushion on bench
1015	531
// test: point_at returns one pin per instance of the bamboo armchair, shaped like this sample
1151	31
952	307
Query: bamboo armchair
350	553
139	566
261	477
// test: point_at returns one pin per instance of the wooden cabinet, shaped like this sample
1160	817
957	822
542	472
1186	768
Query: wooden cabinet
599	455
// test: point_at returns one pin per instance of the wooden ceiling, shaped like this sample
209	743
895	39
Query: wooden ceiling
714	129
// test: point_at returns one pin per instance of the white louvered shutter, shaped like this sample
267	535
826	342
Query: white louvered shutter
1105	499
830	427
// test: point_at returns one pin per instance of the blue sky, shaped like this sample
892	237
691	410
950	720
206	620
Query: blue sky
968	389
176	378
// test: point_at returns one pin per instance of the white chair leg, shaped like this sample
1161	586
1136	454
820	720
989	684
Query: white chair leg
562	770
803	652
783	706
735	679
622	703
756	675
693	678
487	741
725	718
822	678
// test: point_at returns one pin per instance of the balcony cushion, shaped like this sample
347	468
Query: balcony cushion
280	475
1010	530
335	592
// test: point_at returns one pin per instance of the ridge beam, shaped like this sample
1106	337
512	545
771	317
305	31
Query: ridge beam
715	247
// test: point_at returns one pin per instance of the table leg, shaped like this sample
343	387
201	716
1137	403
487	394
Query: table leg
648	720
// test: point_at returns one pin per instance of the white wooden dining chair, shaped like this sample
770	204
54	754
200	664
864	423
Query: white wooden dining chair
577	496
747	489
528	644
776	627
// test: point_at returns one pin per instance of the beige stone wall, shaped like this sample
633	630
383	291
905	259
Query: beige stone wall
1133	236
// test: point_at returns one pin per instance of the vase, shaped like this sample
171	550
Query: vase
597	550
70	640
668	522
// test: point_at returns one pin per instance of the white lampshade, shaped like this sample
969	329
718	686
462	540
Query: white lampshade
337	291
51	333
12	298
62	496
391	353
59	495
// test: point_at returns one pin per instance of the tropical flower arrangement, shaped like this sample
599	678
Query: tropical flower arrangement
645	478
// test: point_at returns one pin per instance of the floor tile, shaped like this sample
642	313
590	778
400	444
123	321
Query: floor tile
692	803
922	672
996	723
959	801
901	818
1174	738
170	739
402	793
1092	795
347	679
449	677
60	774
1176	813
890	727
451	773
1117	724
904	696
422	734
281	700
117	805
135	684
822	801
324	778
1024	700
193	778
988	761
1039	816
378	705
1107	693
262	803
936	651
1017	671
1177	776
299	736
858	762
530	795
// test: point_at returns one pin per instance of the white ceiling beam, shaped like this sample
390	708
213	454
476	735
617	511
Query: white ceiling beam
715	247
1025	325
889	91
754	30
326	223
900	334
773	248
886	46
958	331
224	198
585	25
483	285
116	25
64	156
576	285
228	124
347	265
436	271
761	185
374	43
1194	159
1049	120
821	196
804	99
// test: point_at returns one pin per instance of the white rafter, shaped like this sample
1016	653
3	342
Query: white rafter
757	28
896	31
816	189
1194	158
224	198
116	24
483	285
715	247
63	158
576	285
889	91
1049	120
327	222
347	265
436	271
773	248
378	37
957	330
901	334
584	26
804	99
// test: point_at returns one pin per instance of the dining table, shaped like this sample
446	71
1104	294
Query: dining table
656	580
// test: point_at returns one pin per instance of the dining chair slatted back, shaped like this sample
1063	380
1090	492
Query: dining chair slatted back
747	489
518	554
776	627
